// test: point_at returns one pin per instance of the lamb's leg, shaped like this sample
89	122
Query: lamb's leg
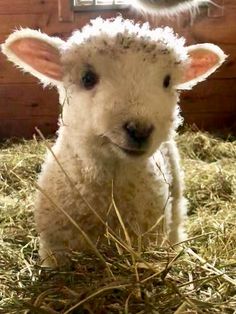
179	204
53	259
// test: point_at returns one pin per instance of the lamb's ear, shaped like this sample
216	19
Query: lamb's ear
36	53
204	59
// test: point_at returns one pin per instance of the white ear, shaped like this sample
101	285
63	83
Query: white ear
36	53
204	59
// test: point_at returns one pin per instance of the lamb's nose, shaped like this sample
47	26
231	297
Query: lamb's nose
138	132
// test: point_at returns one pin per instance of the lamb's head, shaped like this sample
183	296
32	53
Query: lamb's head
117	82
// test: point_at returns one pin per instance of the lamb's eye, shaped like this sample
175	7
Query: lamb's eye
166	81
89	79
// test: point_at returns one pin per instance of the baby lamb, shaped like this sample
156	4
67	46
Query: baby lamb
115	164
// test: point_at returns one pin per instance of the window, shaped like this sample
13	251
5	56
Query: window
87	5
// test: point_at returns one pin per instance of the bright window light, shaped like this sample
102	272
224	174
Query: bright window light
83	5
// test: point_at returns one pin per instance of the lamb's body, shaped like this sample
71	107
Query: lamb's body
117	83
141	192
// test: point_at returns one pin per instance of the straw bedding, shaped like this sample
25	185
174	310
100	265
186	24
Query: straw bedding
198	277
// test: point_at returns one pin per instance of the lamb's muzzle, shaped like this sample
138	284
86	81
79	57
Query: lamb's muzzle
138	132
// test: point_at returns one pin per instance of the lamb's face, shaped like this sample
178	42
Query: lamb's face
120	103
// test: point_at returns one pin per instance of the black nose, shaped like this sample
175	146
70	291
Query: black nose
138	132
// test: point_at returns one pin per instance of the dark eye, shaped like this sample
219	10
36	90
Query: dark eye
166	82
89	79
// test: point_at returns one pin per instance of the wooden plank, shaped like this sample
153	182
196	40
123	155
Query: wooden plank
3	37
26	127
55	27
228	69
27	6
65	12
48	22
34	101
10	74
211	122
221	30
8	23
213	96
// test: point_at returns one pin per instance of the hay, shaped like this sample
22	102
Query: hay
198	278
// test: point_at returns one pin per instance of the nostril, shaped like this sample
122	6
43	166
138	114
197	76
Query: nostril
137	131
130	128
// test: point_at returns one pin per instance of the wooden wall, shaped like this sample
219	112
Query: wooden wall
24	105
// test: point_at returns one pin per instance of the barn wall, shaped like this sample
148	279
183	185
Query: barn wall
23	104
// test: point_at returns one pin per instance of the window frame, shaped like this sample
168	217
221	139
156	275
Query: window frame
94	7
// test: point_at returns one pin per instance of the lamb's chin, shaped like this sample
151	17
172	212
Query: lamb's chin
128	154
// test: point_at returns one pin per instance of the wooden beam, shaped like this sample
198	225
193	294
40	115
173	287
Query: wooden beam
65	12
28	101
25	127
27	6
9	23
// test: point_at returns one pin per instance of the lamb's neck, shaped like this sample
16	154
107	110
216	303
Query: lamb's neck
108	171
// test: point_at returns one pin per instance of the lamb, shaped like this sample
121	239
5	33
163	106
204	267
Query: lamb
118	85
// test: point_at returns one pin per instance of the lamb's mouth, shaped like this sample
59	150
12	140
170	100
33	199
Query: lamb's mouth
130	151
